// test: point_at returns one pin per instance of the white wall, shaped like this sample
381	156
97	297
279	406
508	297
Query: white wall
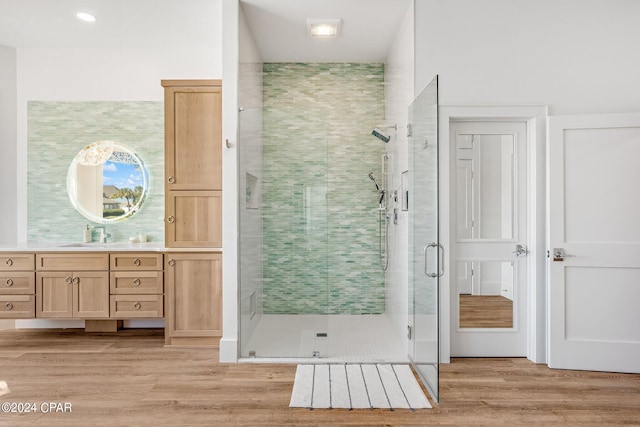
8	131
577	56
230	61
399	77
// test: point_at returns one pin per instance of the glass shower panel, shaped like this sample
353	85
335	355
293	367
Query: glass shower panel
425	252
283	228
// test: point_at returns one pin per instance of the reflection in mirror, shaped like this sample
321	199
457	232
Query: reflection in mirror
485	186
485	294
107	182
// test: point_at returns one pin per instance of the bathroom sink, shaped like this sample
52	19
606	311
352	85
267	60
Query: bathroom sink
84	245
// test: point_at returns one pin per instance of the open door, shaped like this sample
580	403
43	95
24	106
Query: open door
594	242
425	252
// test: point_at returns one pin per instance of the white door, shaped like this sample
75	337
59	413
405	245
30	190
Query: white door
594	242
488	281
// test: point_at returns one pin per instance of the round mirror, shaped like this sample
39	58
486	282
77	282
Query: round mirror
107	182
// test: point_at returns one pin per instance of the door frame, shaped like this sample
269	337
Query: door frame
535	117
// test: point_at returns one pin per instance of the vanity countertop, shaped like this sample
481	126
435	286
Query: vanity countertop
98	247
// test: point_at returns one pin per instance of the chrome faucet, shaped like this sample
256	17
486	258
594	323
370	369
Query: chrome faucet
102	237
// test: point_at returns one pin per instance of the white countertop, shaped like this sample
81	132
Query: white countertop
98	247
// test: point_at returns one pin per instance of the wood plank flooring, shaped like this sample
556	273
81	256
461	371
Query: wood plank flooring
130	379
485	311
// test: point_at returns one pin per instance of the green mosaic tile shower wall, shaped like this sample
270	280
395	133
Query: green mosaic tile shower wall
57	131
320	208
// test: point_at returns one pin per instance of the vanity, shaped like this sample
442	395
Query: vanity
141	255
105	284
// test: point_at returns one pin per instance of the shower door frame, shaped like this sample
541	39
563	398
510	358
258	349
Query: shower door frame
425	261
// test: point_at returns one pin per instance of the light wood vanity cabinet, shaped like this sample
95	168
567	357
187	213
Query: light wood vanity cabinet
193	299
136	285
193	163
72	285
17	286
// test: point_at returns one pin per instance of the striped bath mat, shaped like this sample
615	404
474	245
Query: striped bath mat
354	386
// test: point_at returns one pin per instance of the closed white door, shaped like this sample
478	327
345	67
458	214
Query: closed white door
594	242
489	249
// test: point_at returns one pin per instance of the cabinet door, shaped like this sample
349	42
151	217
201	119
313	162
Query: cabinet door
91	294
54	294
193	136
193	299
194	219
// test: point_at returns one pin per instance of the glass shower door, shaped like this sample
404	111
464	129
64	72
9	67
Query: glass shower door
425	252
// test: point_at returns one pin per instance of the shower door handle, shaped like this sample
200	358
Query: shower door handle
440	259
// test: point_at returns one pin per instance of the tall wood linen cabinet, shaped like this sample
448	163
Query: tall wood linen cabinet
193	212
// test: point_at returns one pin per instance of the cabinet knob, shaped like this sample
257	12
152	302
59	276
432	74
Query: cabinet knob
137	305
76	280
171	180
9	262
9	306
172	262
137	261
9	282
136	282
171	219
68	279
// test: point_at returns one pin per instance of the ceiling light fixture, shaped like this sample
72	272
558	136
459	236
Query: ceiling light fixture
324	28
86	17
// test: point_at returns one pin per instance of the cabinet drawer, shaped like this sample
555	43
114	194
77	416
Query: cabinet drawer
126	306
16	261
17	283
136	282
72	262
17	306
136	261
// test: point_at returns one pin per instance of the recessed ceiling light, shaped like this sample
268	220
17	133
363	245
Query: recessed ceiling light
86	17
324	28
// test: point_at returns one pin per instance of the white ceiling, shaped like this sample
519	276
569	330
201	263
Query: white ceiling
121	23
279	28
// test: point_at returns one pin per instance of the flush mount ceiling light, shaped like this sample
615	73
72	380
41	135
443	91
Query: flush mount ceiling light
324	28
86	17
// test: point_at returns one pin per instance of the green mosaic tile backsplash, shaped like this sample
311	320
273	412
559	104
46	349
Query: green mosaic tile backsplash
319	207
57	131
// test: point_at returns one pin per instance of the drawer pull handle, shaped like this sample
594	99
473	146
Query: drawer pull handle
9	262
172	262
75	280
137	305
136	282
137	261
69	280
171	180
9	282
9	306
171	219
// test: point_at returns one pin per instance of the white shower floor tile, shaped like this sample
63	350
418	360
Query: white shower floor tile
350	338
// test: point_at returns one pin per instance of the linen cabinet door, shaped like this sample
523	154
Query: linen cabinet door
194	219
193	299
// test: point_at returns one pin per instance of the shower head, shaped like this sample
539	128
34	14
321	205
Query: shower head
374	180
381	136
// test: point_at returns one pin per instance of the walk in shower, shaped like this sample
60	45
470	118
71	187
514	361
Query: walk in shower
311	282
315	213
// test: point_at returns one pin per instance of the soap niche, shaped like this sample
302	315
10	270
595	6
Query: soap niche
253	192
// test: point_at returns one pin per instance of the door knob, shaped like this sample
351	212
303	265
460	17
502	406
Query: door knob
521	250
560	255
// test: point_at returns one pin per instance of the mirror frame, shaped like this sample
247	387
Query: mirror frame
72	180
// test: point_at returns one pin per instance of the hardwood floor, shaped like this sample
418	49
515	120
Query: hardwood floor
485	311
130	379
